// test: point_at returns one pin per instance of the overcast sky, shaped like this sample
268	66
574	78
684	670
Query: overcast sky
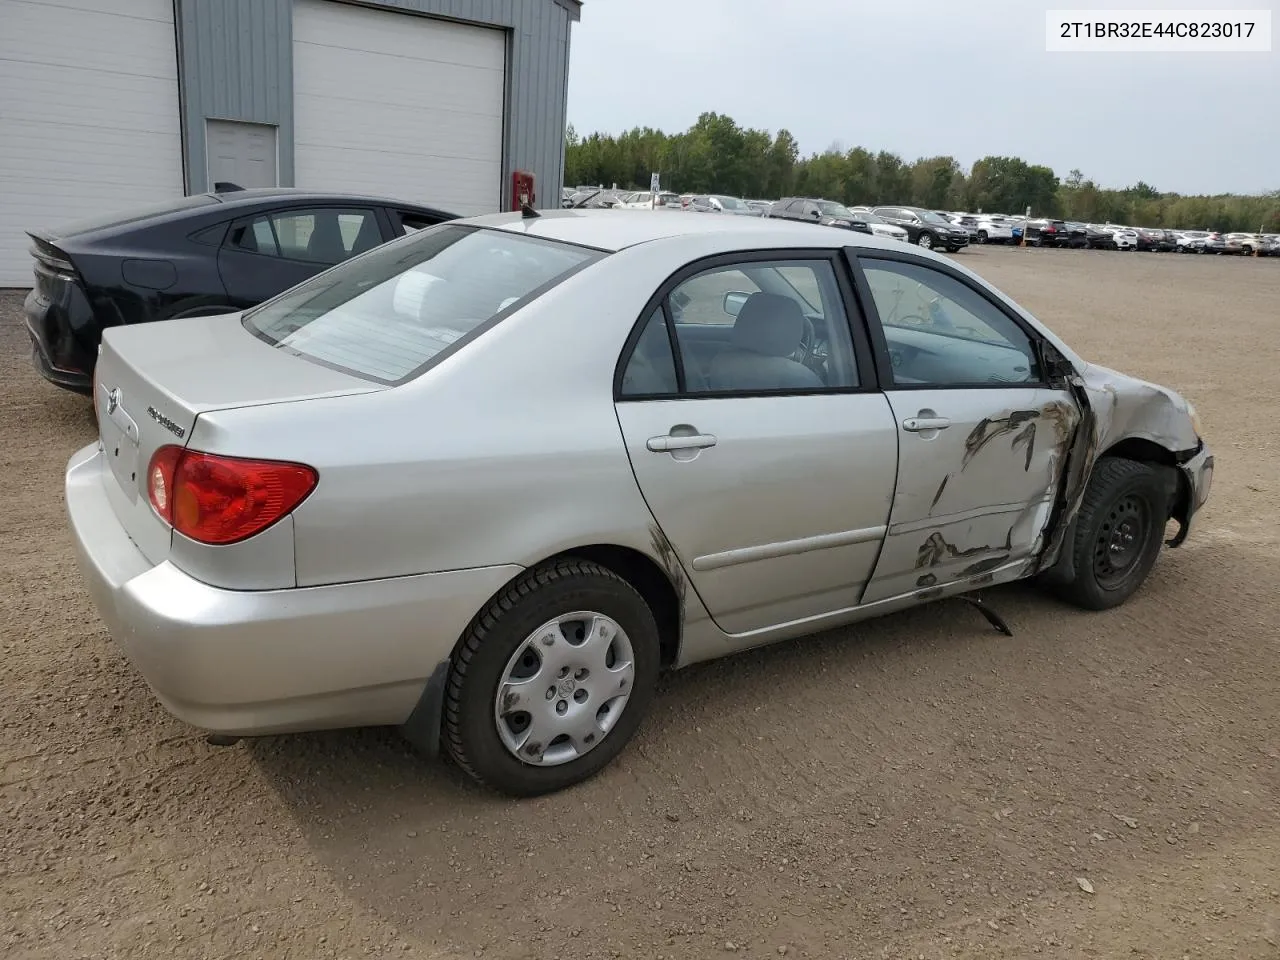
927	77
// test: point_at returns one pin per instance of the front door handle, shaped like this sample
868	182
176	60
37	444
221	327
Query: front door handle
669	443
920	424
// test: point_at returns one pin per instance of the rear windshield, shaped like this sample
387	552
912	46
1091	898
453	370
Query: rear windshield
119	218
385	315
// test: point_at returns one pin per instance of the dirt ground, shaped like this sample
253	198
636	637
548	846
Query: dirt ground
920	787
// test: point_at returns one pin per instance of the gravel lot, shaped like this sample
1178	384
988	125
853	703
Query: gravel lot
919	787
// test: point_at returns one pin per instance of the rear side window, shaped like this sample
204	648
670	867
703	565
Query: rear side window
411	222
385	316
325	236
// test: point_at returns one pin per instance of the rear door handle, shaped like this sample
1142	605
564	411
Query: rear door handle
918	424
668	443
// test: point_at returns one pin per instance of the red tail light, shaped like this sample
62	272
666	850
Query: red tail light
219	500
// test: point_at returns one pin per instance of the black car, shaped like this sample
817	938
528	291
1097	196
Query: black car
1097	238
828	213
1046	233
202	255
1075	235
925	228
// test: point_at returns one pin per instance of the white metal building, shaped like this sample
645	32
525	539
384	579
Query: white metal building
107	104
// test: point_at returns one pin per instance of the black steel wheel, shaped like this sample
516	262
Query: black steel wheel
1118	532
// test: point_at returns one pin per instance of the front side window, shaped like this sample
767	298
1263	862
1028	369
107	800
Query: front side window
940	332
763	327
385	316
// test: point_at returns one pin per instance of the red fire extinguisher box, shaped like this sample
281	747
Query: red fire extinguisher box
522	192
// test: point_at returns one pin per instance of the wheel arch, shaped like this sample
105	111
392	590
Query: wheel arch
652	581
645	574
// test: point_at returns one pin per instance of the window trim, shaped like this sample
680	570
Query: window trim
863	356
854	257
271	213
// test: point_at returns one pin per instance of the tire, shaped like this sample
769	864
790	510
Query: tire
982	236
925	240
1122	496
488	654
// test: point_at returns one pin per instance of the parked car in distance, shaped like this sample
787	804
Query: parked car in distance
365	502
925	228
966	222
827	213
1124	238
1244	243
762	207
1149	239
994	229
200	255
1043	232
877	226
1074	235
719	203
1099	237
1191	241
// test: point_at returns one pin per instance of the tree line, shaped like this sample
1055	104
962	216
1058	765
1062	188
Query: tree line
716	155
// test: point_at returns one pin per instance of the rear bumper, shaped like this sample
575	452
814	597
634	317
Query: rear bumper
60	331
273	661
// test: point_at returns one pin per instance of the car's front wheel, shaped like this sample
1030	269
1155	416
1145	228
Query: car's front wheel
551	680
982	236
1118	533
925	240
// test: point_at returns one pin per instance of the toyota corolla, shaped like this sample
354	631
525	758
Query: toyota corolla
488	481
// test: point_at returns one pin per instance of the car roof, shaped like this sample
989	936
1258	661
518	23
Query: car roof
256	195
201	207
614	230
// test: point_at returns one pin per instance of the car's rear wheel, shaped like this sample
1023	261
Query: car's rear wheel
1118	533
925	240
982	236
552	679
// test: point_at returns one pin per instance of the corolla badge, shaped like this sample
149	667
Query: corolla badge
165	422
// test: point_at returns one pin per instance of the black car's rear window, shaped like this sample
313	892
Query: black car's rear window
385	315
120	218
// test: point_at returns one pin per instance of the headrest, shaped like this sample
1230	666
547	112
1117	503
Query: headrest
769	324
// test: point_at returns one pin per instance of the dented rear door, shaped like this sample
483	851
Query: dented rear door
982	437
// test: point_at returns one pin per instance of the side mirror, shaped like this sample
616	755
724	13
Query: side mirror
734	302
815	214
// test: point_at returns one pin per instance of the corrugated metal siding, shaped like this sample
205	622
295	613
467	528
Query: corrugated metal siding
236	63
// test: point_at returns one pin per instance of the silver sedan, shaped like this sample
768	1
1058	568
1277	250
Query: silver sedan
489	481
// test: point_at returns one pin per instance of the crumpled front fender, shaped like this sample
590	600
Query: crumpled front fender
1115	408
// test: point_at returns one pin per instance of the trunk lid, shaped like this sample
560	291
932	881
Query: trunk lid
152	382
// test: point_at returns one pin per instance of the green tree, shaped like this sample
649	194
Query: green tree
717	155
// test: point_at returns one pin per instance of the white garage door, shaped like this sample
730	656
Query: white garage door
398	105
88	115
